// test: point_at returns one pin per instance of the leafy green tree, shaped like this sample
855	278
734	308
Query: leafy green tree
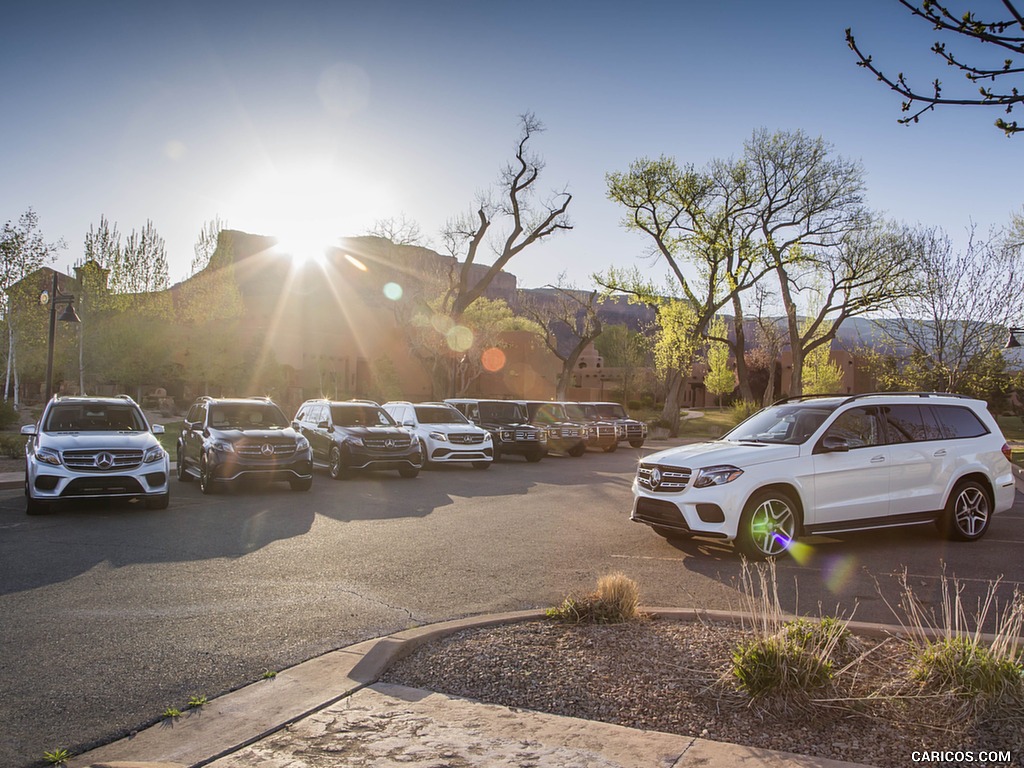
720	380
627	350
820	374
23	249
1000	35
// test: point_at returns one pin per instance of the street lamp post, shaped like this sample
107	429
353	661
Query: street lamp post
1012	342
52	299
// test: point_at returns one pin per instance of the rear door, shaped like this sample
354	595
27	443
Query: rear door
919	459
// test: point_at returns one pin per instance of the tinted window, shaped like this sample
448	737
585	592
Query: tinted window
247	416
910	424
577	412
94	417
781	424
612	411
957	422
438	414
360	416
505	413
860	427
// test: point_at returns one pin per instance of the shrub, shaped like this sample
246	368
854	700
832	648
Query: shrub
8	415
960	666
13	446
779	666
615	601
742	409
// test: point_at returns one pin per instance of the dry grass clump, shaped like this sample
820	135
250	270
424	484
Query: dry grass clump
613	602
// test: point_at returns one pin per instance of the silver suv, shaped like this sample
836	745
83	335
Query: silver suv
94	447
826	465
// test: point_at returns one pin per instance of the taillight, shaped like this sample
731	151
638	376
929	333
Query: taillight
1007	452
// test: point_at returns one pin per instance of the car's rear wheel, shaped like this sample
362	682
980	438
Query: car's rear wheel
182	472
768	524
158	502
206	483
968	512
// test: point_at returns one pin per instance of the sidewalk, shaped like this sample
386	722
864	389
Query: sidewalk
330	711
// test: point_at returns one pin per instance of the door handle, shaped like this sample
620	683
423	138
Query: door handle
940	452
877	459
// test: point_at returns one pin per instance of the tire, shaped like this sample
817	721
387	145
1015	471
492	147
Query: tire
302	484
611	448
968	512
768	525
182	472
158	502
409	472
535	456
335	466
206	482
577	450
482	464
497	453
637	443
34	506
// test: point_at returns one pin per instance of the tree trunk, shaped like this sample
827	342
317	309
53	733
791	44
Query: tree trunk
670	413
796	385
10	355
740	349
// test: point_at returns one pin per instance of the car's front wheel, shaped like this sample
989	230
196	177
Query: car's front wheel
637	443
611	448
768	524
336	466
301	484
34	506
578	450
206	483
409	472
968	512
536	455
158	502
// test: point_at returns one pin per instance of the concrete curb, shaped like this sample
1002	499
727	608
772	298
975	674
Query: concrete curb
248	715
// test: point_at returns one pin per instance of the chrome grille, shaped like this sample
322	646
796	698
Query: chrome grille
466	438
661	479
529	435
101	460
398	442
266	449
635	430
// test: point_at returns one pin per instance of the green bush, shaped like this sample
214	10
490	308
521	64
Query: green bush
12	446
8	415
779	666
962	666
614	602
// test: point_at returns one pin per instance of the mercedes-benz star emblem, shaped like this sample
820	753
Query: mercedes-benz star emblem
655	477
267	449
103	461
389	443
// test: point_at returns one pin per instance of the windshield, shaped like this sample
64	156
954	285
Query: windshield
612	411
439	414
503	413
360	416
94	417
247	416
577	412
790	424
546	413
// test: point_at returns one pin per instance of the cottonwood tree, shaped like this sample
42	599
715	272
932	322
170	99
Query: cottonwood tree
206	244
516	216
23	249
993	78
720	380
564	308
627	350
400	231
699	222
956	319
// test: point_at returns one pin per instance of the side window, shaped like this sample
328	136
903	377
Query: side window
910	424
957	422
301	415
473	413
193	414
860	427
321	413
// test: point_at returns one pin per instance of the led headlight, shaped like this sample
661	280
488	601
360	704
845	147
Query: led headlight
716	475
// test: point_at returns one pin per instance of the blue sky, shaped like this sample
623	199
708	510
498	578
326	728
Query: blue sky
332	115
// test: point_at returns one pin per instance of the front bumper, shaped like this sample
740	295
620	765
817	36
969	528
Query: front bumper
714	511
47	482
226	467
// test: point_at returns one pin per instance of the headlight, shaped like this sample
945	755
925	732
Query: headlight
553	434
156	453
440	436
222	446
716	476
301	443
352	440
48	456
508	437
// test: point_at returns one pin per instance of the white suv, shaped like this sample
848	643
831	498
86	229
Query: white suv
823	465
94	447
445	434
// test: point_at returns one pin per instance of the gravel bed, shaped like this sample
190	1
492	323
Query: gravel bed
673	676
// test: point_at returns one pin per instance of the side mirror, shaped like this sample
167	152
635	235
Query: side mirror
28	429
323	425
158	429
833	444
296	426
408	423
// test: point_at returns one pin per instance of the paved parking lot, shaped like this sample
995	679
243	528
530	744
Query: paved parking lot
111	614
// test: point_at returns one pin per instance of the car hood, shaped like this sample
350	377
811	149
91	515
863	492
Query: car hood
373	431
723	452
254	434
86	441
503	425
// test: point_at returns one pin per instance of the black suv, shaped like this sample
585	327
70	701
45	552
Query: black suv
632	431
509	425
225	439
357	434
564	436
601	433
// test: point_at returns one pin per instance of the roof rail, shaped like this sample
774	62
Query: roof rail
129	398
851	398
798	398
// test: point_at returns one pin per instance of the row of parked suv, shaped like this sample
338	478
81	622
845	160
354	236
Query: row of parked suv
89	447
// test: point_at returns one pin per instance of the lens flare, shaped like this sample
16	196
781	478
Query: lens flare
493	359
839	573
459	338
355	262
393	291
